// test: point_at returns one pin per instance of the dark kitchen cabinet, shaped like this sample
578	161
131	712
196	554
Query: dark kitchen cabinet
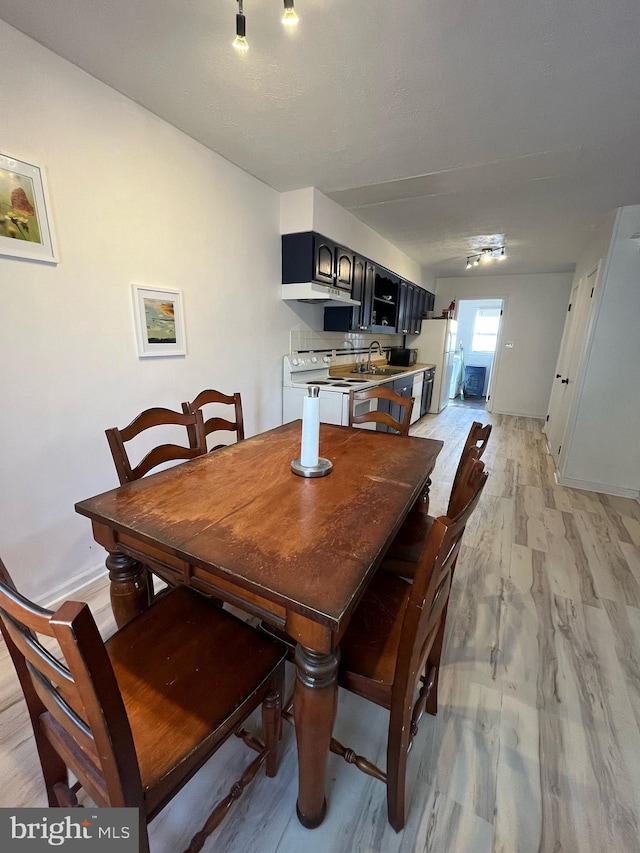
403	387
414	303
344	268
427	391
308	256
406	308
388	305
385	306
419	308
384	406
356	318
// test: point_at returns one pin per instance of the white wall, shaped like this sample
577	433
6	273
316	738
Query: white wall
310	210
533	319
133	200
466	314
604	448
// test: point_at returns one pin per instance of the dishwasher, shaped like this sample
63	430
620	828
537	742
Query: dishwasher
416	393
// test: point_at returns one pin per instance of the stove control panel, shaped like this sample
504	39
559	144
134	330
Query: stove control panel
299	363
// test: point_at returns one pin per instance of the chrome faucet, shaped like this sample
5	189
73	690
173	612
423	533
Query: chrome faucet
369	357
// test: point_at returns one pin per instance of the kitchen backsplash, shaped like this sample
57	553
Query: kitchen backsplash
306	340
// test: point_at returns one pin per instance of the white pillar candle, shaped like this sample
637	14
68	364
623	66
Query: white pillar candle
310	428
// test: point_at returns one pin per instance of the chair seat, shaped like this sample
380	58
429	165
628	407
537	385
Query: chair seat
403	554
369	648
174	719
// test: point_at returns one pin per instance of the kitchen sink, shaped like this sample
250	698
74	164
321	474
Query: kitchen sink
380	371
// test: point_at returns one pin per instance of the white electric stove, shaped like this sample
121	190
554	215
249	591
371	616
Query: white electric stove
303	369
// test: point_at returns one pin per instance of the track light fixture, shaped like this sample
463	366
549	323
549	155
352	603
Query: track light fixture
289	19
486	255
290	16
240	41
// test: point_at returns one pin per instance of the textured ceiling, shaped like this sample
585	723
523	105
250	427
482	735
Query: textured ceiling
433	121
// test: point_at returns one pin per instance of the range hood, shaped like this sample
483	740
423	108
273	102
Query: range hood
311	291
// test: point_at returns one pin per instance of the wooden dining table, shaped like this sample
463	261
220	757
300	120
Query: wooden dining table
298	552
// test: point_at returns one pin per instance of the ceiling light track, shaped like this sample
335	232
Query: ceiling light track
289	19
486	256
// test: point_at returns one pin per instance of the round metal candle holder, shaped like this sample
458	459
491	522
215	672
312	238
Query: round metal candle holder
324	467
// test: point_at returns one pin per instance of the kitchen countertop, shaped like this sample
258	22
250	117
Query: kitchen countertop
346	371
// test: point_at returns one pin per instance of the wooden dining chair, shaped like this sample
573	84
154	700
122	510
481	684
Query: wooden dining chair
478	436
135	716
149	419
217	423
403	553
398	416
392	647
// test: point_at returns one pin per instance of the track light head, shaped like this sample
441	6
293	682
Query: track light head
290	16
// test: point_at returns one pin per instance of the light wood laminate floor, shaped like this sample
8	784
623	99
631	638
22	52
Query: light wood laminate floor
537	743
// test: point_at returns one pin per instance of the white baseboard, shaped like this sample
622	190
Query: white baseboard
71	586
602	488
519	414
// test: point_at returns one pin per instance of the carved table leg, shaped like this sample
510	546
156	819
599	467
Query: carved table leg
129	588
315	702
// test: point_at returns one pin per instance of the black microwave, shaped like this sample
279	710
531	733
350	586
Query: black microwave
402	356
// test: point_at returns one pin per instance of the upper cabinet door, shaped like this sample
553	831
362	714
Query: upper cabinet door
386	292
405	315
344	269
419	303
324	269
358	292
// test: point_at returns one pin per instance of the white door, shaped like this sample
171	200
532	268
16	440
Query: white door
569	360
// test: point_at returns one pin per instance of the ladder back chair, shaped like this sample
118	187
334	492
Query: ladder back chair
392	647
150	418
478	437
403	553
217	423
398	417
134	717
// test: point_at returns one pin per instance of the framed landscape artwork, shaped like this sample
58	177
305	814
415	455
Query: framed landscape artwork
159	321
25	223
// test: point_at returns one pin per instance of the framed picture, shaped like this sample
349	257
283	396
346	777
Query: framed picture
159	321
25	223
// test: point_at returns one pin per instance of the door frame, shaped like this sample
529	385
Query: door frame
495	364
578	382
558	397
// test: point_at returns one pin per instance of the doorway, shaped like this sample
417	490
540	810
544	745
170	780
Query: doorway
479	323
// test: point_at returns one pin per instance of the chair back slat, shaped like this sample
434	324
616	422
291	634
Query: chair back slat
42	661
65	714
379	392
477	438
155	417
431	586
217	423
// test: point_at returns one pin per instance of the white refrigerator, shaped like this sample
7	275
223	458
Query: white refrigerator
436	344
